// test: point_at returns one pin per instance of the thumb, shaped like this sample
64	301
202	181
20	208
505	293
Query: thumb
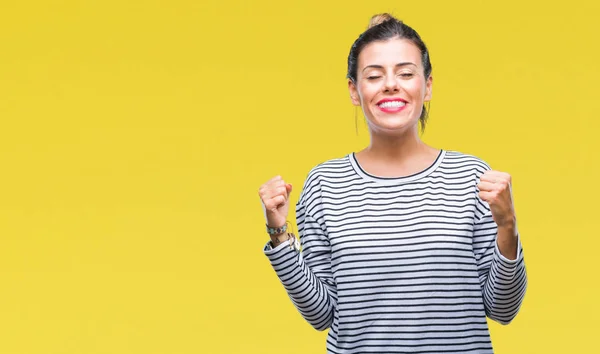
288	188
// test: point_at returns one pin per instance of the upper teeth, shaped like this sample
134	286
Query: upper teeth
392	104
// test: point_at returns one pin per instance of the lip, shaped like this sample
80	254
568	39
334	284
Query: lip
391	109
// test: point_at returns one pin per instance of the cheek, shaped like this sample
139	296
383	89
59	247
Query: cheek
416	88
367	92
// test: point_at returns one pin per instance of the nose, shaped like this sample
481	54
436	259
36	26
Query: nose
391	84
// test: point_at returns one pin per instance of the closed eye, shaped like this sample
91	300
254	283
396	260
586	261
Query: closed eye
373	77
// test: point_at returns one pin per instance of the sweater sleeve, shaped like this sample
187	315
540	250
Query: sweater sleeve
503	281
306	275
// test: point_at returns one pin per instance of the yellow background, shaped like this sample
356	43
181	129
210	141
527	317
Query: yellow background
134	136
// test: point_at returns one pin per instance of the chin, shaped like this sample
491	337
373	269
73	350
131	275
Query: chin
387	123
396	130
395	125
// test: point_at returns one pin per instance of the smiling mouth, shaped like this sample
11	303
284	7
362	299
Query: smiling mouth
392	104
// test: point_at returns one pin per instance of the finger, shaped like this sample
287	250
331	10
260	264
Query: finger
487	186
276	178
277	191
495	177
271	181
276	201
489	197
276	182
288	187
270	185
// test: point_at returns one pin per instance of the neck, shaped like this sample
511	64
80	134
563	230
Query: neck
396	148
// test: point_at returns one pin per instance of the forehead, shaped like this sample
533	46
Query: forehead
389	53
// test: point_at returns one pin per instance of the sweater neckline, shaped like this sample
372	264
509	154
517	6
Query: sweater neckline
399	179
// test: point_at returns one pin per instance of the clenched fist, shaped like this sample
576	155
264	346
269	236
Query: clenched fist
275	197
495	189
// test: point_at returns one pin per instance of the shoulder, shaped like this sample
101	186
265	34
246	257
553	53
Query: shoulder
329	169
457	160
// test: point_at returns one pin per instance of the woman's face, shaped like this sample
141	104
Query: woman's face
390	85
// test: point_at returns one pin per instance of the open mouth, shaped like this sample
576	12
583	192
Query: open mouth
391	105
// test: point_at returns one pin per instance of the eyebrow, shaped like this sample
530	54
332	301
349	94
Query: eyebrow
381	67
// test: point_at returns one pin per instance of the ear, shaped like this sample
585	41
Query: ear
354	98
428	88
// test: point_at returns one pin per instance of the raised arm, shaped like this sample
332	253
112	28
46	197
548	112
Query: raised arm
497	248
306	275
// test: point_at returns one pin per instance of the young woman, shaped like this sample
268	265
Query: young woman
405	247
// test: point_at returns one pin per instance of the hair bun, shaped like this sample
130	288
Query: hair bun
380	18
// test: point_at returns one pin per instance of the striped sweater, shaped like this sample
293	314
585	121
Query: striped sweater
399	265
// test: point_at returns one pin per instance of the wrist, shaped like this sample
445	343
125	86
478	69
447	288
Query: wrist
508	229
287	238
507	221
278	239
507	241
276	230
280	234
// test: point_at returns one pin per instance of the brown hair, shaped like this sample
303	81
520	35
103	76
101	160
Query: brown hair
379	18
